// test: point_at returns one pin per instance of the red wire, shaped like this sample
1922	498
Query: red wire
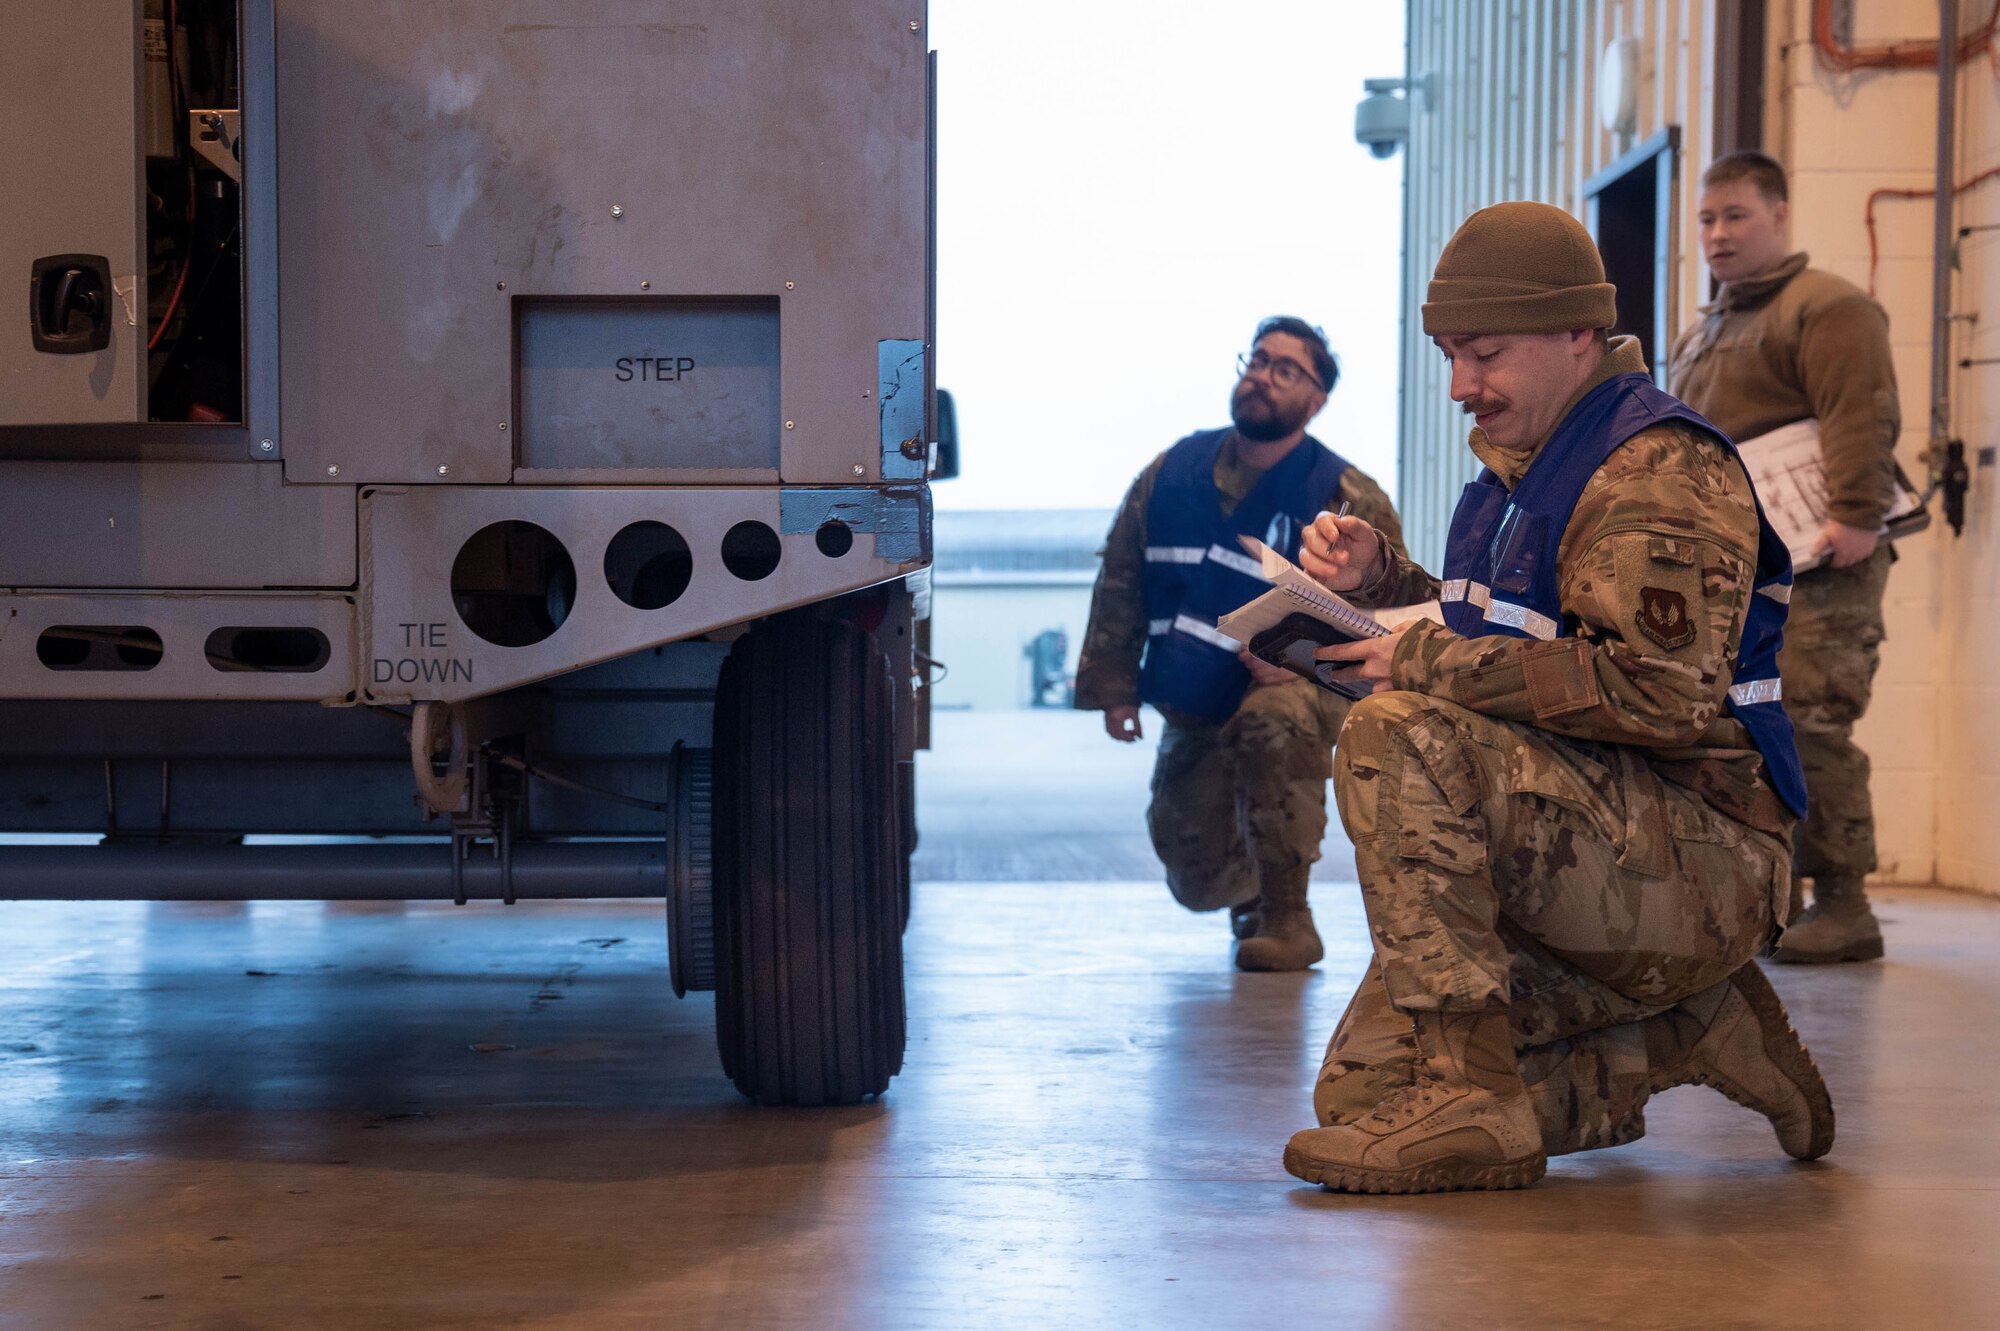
167	315
1869	215
1894	55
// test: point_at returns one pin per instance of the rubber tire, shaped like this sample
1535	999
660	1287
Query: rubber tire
808	865
906	823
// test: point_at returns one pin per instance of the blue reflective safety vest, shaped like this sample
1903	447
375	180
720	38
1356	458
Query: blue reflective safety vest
1197	571
1500	560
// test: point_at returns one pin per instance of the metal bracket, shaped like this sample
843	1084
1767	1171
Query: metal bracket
217	136
489	821
896	518
900	393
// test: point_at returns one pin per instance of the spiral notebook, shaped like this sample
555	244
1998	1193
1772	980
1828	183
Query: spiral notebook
1287	624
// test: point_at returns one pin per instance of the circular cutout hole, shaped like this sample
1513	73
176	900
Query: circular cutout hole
513	583
648	565
834	538
750	550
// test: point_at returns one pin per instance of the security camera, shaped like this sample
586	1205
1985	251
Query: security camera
1382	123
1382	119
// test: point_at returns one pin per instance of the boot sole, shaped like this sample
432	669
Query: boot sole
1251	958
1869	949
1254	966
1437	1176
1784	1048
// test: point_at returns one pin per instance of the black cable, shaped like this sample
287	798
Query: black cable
540	773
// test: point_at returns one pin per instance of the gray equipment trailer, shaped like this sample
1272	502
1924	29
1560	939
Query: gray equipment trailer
495	436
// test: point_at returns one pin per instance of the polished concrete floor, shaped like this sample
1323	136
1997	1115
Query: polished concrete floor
303	1116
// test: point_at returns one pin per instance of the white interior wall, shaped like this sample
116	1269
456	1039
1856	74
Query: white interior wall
1843	136
1929	730
1967	651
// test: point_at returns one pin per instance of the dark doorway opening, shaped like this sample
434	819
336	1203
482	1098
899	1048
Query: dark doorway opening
1630	209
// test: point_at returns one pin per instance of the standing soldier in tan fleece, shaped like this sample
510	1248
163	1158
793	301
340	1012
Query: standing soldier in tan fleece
1239	785
1784	343
1570	802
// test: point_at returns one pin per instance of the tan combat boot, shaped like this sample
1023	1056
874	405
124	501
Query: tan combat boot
1838	926
1465	1122
1735	1037
1372	1055
1285	939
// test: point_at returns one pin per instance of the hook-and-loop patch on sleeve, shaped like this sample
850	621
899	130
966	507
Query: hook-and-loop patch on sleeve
1660	587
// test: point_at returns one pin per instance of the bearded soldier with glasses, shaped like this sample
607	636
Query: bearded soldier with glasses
1239	786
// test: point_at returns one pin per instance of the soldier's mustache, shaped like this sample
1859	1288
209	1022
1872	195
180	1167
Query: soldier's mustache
1481	406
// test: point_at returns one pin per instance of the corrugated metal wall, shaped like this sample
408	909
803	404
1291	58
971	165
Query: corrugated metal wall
1511	113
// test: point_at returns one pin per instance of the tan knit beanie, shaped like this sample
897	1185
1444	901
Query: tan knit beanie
1519	268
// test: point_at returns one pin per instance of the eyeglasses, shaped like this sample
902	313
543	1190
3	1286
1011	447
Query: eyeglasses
1284	373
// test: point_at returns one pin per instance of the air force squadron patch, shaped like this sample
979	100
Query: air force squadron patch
1663	617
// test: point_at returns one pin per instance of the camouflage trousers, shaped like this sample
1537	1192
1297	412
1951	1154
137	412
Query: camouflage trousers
1507	868
1241	803
1833	643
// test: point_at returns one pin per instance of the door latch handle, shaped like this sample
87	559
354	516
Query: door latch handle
69	304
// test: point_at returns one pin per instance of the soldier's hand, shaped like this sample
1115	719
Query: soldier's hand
1262	673
1366	660
1340	552
1848	545
1122	724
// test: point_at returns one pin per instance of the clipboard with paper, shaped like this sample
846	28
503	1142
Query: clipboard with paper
1789	472
1298	616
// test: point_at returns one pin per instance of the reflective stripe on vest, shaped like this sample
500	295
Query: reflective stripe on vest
1757	691
1196	571
1207	633
1509	540
1504	613
1237	560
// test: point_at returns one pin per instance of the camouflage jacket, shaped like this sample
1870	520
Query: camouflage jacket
1794	343
1107	673
1670	510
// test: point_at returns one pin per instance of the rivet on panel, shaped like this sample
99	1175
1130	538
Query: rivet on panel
265	445
617	210
333	470
916	26
499	286
788	286
444	471
645	286
503	425
860	470
789	424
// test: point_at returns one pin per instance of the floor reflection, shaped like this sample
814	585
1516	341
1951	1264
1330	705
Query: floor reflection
298	1116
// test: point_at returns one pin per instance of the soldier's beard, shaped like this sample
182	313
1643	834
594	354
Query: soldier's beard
1258	419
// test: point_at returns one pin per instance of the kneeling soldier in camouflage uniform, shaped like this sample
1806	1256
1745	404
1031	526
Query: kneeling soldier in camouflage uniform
1571	806
1239	786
